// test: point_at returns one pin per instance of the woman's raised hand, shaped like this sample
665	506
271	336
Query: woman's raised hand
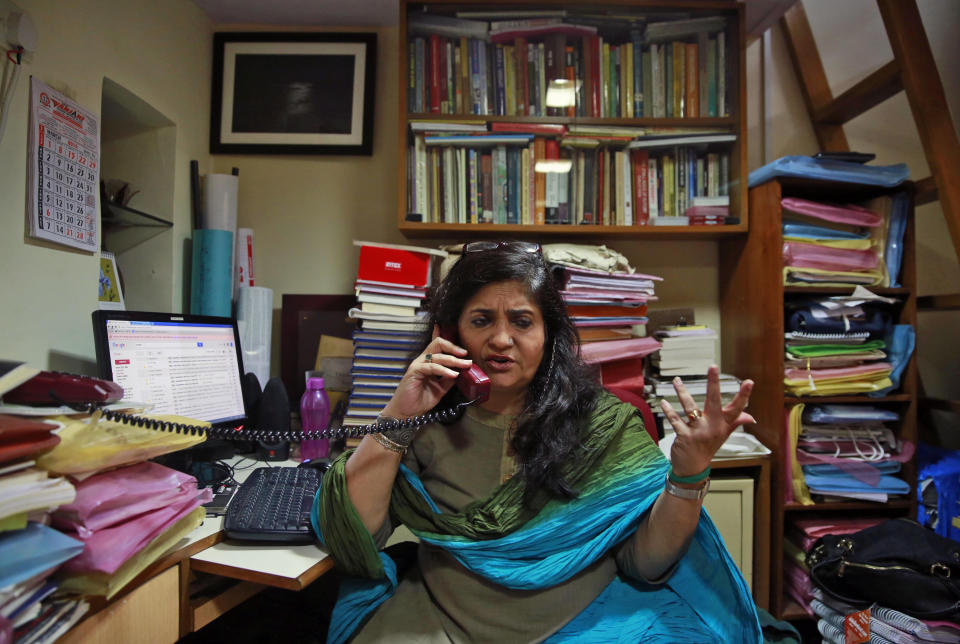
428	378
701	433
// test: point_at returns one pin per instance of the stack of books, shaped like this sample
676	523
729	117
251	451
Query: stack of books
661	388
609	311
686	351
391	287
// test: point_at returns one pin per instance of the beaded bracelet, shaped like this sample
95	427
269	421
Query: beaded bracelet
696	478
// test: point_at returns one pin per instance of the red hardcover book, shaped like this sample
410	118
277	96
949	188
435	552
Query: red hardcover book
641	200
394	264
555	48
23	438
435	47
551	129
597	57
571	75
521	82
444	78
606	310
587	93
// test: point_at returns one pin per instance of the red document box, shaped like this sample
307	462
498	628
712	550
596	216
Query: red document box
394	266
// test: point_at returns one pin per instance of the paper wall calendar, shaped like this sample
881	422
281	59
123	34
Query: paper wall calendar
64	169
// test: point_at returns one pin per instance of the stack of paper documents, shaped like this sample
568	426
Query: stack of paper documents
846	451
123	516
686	351
836	245
838	345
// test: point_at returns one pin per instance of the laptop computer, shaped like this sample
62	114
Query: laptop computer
189	365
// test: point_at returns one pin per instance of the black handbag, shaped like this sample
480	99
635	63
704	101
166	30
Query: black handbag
898	564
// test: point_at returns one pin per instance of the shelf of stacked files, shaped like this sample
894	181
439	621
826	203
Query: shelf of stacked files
541	116
819	308
844	452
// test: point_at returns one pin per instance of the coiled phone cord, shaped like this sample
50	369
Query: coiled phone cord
270	436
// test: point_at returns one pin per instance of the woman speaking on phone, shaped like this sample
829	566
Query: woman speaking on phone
545	512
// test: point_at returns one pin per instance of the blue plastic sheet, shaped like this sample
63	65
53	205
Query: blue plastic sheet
28	552
846	414
838	484
831	170
900	347
898	224
823	469
809	231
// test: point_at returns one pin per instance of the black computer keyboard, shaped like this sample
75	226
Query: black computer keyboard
273	504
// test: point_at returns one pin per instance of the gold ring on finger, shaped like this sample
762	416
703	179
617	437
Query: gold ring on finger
694	415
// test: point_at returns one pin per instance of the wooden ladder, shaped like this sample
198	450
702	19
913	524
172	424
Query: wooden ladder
913	71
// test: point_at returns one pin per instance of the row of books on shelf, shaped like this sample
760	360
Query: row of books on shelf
526	179
555	67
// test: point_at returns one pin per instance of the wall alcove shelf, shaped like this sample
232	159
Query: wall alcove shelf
125	227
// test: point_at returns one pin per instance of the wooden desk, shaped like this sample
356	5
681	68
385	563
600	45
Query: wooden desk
164	604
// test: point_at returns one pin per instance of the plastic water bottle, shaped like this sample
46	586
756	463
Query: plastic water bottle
314	416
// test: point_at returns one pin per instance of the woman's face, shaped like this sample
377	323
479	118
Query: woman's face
504	333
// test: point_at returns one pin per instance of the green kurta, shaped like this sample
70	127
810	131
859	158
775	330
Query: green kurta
441	601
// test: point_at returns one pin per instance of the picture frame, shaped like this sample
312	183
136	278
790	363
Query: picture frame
293	93
109	291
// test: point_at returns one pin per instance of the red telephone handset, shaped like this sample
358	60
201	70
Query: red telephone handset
54	388
473	383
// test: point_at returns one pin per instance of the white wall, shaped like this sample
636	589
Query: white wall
159	51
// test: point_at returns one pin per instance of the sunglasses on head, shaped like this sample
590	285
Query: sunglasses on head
479	246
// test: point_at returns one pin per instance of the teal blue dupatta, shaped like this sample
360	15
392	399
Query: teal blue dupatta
622	474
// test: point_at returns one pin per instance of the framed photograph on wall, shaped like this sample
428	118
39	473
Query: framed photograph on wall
293	93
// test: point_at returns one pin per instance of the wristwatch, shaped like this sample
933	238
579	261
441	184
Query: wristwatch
694	494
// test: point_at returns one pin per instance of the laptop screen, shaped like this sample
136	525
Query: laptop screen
187	365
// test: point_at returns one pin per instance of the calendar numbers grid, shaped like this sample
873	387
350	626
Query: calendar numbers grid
65	140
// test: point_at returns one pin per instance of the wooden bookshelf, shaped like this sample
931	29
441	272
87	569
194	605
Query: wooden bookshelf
611	18
752	298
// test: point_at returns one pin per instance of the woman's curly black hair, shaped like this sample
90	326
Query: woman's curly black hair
562	392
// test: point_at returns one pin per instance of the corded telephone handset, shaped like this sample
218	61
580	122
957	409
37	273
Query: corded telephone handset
473	383
87	394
